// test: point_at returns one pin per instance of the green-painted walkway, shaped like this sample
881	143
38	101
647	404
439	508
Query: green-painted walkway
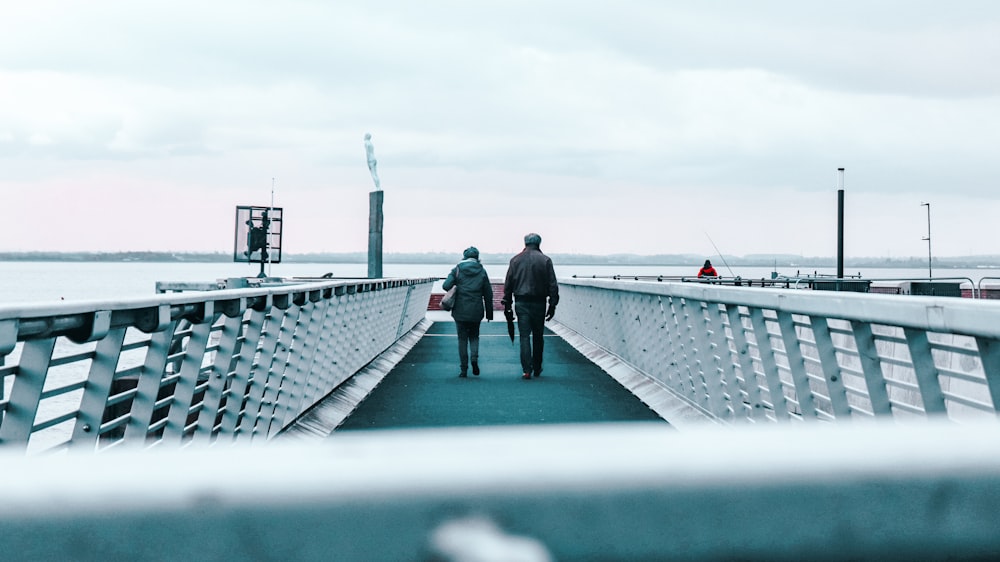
424	389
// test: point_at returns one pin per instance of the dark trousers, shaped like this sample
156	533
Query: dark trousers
530	327
468	342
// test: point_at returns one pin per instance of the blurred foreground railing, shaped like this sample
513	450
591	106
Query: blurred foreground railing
236	364
857	491
762	354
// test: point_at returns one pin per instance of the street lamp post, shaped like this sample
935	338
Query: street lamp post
840	224
930	274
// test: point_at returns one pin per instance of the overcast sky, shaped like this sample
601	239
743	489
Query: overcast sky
630	126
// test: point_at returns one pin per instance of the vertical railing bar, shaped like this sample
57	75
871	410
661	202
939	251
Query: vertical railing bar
305	354
696	380
148	385
651	325
797	366
260	375
320	369
212	402
86	430
712	338
354	331
307	383
290	340
26	392
276	370
989	354
675	376
316	341
926	371
756	409
286	367
831	369
769	364
184	390
333	349
323	367
240	385
668	364
871	366
404	313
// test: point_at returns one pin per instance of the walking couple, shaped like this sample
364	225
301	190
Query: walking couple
530	283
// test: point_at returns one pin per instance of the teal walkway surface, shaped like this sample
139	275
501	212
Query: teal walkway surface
424	389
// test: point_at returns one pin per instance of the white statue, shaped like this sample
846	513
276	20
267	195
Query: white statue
372	162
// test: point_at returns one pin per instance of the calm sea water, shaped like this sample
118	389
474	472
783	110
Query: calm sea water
23	282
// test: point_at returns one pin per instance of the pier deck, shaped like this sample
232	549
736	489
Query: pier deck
424	389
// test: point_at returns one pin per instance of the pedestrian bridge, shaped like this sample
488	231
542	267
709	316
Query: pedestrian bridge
321	419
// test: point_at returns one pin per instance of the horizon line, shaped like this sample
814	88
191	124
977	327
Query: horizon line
756	256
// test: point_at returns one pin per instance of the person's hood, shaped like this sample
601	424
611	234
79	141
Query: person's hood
470	267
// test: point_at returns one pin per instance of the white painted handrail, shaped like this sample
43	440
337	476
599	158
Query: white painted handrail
876	490
236	364
761	354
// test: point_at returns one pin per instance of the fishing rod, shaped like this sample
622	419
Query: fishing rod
731	274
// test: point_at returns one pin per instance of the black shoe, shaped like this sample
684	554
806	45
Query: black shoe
538	372
475	368
462	375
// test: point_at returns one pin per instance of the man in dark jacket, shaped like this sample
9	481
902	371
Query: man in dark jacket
531	280
473	297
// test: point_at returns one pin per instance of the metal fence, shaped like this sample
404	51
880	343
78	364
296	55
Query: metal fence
879	490
236	364
758	354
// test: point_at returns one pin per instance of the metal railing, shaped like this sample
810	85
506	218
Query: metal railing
236	365
735	353
811	281
856	491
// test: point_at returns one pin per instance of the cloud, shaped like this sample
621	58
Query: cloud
593	118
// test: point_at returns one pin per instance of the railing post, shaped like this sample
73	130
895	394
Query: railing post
148	384
708	364
26	392
303	351
770	367
236	420
989	353
750	382
93	405
871	366
925	370
831	370
796	364
218	379
179	411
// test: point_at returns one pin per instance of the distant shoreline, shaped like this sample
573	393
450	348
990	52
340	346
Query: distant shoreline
783	260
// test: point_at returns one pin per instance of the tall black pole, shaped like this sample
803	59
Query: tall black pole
375	234
930	272
840	223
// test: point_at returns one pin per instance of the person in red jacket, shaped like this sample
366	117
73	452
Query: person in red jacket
707	270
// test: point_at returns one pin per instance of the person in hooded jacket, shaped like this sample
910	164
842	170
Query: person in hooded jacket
707	270
473	300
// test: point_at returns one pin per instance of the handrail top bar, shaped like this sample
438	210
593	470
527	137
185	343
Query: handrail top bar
63	308
636	455
780	279
940	314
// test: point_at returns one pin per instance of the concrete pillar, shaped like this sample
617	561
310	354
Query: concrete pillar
375	234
